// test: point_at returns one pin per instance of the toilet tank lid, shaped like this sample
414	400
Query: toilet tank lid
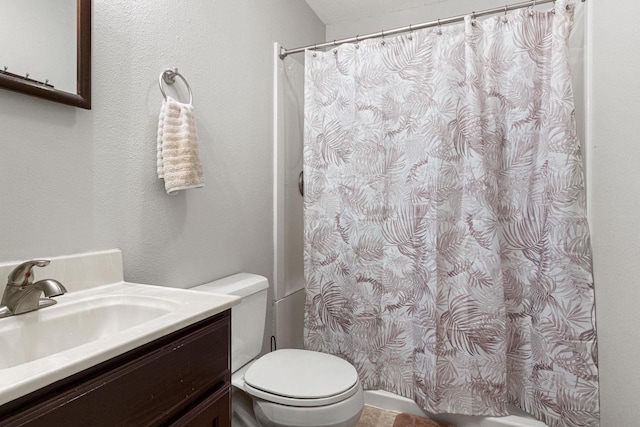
241	284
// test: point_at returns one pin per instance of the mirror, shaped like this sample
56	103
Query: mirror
45	49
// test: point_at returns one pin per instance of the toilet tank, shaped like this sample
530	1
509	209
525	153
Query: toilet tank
247	318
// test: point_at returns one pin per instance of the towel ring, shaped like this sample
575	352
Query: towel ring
169	77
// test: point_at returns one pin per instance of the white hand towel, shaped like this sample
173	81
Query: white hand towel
178	151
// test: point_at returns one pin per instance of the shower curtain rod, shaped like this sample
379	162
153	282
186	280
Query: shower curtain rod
284	52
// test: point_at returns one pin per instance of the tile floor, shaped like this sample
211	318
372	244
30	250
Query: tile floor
374	417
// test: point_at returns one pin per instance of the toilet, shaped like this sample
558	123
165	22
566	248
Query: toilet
289	387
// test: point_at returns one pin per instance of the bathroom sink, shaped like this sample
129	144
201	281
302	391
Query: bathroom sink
91	326
30	337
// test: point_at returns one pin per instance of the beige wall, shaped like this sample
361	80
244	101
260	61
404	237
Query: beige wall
75	180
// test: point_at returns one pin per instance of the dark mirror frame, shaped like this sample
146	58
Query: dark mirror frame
80	99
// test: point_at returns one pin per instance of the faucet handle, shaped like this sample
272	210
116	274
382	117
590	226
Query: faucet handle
22	275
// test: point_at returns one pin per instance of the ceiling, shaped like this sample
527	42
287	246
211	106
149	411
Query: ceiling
333	11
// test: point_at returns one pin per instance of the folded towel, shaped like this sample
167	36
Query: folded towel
178	151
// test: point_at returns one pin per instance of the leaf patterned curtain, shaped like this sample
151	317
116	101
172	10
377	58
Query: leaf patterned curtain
447	250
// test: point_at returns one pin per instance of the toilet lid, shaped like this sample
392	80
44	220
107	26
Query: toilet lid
301	374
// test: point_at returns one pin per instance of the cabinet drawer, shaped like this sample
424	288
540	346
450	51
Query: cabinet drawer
213	411
144	390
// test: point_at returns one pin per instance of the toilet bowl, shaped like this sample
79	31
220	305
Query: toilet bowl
289	387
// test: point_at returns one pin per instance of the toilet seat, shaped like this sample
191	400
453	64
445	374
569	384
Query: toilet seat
301	378
301	403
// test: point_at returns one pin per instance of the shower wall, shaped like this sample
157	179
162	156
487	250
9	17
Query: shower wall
288	302
613	121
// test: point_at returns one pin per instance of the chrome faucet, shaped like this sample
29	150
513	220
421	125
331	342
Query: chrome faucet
22	295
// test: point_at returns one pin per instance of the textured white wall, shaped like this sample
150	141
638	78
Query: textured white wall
75	180
415	15
615	192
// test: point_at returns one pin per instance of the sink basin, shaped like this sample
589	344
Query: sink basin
91	326
30	337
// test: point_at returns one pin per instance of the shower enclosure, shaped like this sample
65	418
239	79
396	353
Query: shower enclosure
288	216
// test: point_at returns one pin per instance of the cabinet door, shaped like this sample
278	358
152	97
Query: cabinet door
213	411
149	387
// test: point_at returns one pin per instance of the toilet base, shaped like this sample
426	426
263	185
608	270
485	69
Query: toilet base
341	414
242	409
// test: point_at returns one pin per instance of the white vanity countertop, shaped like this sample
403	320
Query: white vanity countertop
90	326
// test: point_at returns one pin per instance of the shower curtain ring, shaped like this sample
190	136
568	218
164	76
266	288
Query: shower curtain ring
531	11
315	47
505	19
410	32
473	19
439	27
358	41
383	42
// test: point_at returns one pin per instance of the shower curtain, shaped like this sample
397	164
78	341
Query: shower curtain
447	250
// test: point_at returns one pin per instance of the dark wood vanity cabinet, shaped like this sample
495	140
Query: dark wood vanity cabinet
182	379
